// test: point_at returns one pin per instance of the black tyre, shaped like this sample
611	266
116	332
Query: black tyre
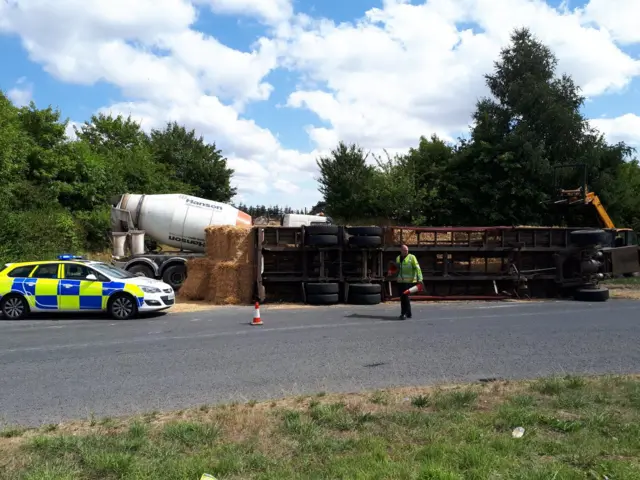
322	229
365	288
14	307
175	276
585	238
322	240
323	299
122	306
365	299
322	288
365	241
143	269
599	294
365	231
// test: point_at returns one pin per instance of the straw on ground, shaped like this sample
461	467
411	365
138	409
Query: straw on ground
574	428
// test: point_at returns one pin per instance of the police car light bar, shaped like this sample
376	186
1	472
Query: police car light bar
69	257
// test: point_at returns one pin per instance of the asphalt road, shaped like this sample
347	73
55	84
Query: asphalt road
55	370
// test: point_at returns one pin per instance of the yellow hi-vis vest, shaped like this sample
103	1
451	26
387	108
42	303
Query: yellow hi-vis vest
408	269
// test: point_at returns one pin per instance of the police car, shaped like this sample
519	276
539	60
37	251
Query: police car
73	284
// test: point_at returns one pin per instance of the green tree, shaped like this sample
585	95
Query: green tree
193	162
346	183
532	123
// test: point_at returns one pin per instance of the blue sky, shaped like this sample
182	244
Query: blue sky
319	71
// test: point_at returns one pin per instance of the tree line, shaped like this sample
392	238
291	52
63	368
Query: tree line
57	191
506	172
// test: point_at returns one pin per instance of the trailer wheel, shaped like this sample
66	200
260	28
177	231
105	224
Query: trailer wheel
322	240
175	275
323	299
322	288
321	229
586	238
364	288
365	231
143	269
598	294
365	299
365	241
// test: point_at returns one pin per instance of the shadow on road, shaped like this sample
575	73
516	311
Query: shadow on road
374	317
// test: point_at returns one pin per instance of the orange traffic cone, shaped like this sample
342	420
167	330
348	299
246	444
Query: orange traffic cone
414	289
256	316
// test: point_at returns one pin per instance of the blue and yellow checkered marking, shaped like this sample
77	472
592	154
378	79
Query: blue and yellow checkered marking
62	294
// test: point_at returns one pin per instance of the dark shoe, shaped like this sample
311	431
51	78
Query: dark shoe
402	317
409	315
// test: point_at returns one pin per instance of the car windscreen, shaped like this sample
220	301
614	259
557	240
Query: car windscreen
111	271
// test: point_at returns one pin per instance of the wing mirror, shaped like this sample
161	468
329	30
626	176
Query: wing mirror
91	277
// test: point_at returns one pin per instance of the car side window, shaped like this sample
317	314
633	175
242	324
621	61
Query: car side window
48	270
81	272
23	271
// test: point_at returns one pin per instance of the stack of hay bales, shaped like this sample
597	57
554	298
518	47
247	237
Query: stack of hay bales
226	276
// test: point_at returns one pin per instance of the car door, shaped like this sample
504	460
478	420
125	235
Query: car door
42	286
76	291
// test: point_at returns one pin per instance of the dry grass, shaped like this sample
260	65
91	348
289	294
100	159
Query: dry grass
575	427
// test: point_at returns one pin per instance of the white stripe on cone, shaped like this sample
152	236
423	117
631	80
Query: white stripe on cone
256	315
414	289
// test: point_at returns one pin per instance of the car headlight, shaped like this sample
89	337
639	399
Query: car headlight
146	289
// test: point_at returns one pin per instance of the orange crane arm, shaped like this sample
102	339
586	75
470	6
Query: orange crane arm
604	216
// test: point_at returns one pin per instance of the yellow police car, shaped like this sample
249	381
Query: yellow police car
73	284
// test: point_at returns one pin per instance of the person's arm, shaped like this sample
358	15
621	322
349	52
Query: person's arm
416	265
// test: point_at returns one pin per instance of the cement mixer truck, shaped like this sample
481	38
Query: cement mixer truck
144	225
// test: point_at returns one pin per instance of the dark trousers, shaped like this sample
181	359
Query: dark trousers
405	301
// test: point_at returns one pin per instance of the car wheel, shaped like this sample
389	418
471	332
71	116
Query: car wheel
14	307
122	307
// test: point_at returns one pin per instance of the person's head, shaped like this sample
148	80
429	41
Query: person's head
404	250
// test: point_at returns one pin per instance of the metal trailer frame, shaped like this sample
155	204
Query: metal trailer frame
457	262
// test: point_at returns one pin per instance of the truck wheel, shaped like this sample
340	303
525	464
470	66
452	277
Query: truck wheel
322	288
365	288
175	276
321	229
14	307
365	231
365	241
323	299
143	269
586	238
122	306
598	294
322	240
365	299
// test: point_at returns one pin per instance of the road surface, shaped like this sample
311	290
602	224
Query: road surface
56	370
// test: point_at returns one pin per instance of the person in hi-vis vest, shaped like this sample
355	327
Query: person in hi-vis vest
409	273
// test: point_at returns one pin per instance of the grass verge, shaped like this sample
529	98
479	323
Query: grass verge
575	428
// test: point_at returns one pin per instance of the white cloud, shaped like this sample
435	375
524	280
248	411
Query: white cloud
22	94
625	128
410	70
401	71
620	17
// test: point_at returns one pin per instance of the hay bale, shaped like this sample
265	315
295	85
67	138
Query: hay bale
227	243
196	284
230	283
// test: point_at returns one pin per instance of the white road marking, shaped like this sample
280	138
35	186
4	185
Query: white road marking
257	330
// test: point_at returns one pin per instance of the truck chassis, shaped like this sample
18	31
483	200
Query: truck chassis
457	262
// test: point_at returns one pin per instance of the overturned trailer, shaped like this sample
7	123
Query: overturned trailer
327	264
